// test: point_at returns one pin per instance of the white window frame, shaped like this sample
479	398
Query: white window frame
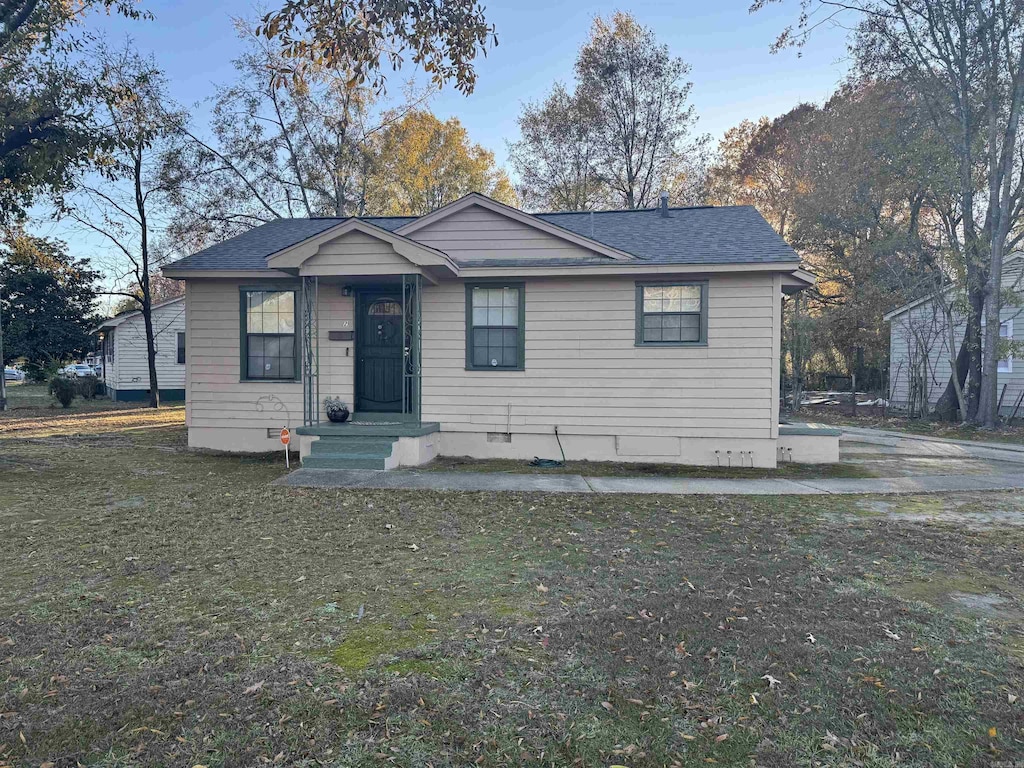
1005	365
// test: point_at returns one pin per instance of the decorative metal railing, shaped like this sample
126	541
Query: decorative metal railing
411	341
310	350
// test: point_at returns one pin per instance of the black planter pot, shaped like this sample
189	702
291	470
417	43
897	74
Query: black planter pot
339	417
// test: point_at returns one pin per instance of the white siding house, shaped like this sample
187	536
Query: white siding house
123	353
480	330
919	347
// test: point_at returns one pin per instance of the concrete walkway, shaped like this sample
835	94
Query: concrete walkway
994	467
925	445
494	481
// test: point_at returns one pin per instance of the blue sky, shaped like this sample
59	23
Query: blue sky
734	75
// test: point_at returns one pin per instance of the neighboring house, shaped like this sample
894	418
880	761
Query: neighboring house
919	347
480	330
123	352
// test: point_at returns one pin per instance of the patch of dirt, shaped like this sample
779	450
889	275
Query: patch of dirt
944	509
984	605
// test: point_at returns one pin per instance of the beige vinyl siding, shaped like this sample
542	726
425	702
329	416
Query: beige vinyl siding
357	253
585	374
216	395
922	328
131	362
477	233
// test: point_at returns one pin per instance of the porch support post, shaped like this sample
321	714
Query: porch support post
310	337
411	338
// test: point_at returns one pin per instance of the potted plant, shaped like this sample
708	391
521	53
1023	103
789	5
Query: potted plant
336	409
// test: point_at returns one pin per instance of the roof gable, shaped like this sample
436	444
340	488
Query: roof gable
308	251
477	227
1012	279
117	320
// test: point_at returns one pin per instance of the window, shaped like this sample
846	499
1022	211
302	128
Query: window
269	347
1006	332
384	307
181	348
108	345
1005	364
494	326
671	314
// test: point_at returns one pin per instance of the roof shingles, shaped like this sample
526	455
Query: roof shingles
710	235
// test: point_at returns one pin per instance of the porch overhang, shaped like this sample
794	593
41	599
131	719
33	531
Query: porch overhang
342	251
797	280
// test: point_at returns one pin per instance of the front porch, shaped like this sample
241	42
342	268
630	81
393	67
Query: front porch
361	294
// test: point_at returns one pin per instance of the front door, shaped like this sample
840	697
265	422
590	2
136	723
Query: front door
379	352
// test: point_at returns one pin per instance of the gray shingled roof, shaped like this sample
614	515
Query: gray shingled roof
711	235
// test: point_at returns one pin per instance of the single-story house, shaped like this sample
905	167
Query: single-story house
481	330
919	356
122	343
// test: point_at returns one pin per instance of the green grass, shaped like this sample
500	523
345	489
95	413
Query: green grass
163	607
30	399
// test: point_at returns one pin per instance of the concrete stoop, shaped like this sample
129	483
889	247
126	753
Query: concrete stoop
365	444
336	452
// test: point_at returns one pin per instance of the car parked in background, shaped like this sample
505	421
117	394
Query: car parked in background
77	370
13	374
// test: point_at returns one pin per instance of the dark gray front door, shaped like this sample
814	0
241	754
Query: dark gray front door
379	352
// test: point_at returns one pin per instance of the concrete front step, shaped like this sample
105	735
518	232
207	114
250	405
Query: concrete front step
350	452
334	445
345	462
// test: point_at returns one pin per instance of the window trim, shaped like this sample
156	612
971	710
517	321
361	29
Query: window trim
181	350
521	286
243	329
639	320
1009	330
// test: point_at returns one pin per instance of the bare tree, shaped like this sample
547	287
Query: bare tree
556	155
622	136
634	93
277	148
119	202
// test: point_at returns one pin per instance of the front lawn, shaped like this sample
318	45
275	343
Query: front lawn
162	607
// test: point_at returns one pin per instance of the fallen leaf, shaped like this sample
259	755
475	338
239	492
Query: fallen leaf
772	681
255	688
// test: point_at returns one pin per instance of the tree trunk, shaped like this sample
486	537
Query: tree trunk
144	286
947	405
973	391
154	385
